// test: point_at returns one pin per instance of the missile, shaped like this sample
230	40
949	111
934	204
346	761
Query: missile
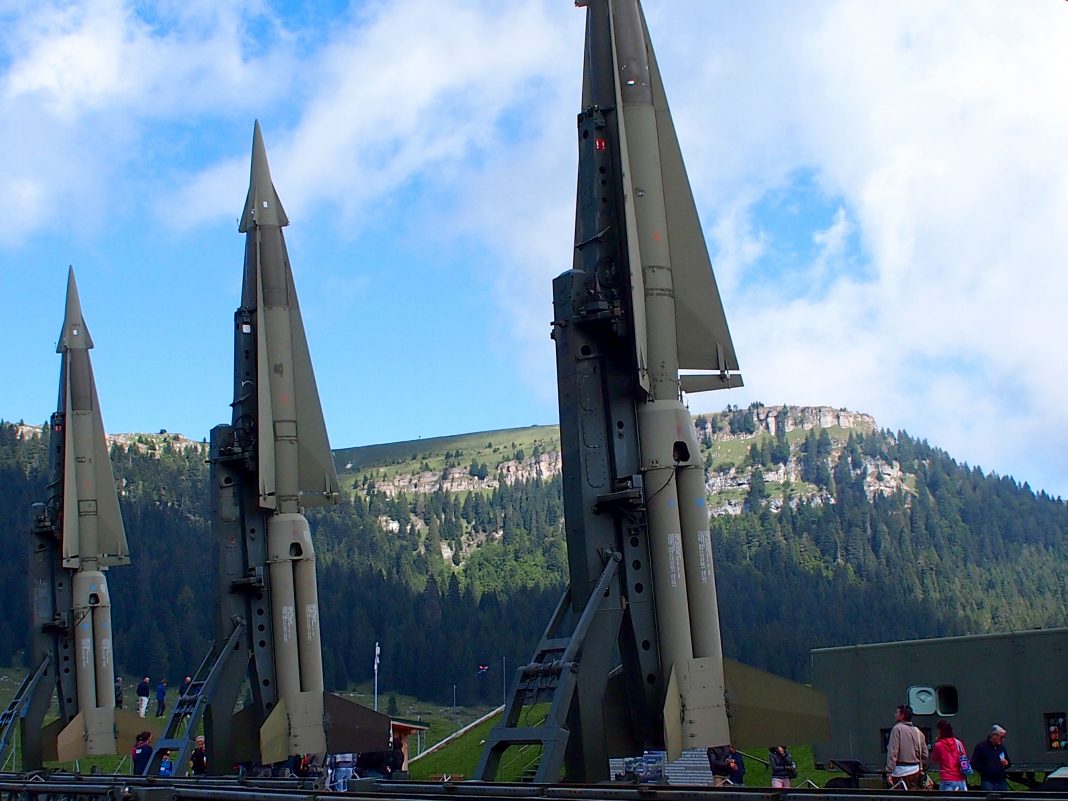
93	539
637	227
644	265
277	408
632	657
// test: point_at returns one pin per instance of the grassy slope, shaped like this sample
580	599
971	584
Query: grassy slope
494	447
489	447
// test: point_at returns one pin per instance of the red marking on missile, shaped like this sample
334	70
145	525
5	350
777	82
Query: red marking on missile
657	236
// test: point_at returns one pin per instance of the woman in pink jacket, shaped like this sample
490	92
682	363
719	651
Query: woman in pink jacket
946	756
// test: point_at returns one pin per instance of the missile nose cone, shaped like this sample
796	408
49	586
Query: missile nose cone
262	206
75	335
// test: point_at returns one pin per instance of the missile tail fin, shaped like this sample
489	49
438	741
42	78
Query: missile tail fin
695	713
765	708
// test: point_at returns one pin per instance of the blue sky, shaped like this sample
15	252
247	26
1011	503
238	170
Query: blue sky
882	186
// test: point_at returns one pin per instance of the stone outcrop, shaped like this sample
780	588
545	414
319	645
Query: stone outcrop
459	479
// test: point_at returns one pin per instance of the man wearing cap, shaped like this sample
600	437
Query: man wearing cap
991	760
906	753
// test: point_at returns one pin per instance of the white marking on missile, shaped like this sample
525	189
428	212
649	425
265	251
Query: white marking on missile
674	544
105	652
87	652
311	620
704	550
289	620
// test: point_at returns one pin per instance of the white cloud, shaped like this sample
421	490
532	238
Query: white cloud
83	82
933	124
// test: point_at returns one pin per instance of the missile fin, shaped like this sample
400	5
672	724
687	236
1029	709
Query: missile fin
704	340
111	533
274	737
673	716
352	727
705	382
318	476
75	334
49	740
765	708
71	743
262	205
695	713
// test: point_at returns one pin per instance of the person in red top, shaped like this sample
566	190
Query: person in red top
946	756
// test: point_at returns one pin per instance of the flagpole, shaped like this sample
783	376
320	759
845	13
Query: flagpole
377	652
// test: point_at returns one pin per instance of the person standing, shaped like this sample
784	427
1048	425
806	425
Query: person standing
783	767
737	776
906	753
396	758
341	766
721	763
143	689
161	697
166	764
199	759
946	754
187	682
118	692
991	760
141	753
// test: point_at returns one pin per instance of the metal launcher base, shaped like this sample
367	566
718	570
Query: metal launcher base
179	735
569	675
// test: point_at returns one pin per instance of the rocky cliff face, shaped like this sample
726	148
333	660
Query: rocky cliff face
728	487
459	479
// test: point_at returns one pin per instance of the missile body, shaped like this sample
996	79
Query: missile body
640	250
93	539
278	417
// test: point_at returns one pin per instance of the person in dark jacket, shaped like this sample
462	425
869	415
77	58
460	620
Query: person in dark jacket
141	753
721	764
783	767
738	774
161	697
118	692
144	687
396	759
991	761
199	759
